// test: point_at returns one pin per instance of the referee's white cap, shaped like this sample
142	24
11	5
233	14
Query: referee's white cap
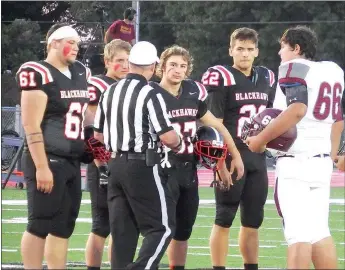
143	53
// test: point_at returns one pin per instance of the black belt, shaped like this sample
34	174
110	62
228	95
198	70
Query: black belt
132	155
317	156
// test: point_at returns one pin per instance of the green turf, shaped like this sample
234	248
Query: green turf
272	251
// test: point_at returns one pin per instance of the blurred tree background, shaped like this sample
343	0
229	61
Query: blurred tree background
202	27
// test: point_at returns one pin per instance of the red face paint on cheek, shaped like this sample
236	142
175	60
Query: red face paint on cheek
66	50
116	67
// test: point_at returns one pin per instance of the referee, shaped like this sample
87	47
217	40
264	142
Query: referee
129	119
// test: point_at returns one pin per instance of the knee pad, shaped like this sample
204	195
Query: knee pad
182	234
39	228
252	220
225	215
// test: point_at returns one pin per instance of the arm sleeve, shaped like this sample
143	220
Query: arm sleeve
296	94
158	114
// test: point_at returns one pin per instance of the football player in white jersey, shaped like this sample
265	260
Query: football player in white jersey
312	93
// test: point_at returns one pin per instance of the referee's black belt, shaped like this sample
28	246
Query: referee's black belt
316	156
132	155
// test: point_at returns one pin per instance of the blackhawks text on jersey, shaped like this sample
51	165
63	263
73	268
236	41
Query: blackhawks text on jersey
184	110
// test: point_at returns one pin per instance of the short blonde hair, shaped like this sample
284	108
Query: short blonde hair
171	51
114	46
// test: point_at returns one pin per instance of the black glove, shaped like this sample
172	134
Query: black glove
103	175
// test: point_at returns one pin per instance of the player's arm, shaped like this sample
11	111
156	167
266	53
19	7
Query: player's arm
99	119
160	121
296	93
33	105
336	133
297	105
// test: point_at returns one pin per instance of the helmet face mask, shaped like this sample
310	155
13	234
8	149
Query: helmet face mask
94	146
209	148
98	150
250	129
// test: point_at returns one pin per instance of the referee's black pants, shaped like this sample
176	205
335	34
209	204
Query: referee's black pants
139	202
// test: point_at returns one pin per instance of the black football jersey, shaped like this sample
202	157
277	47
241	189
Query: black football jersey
183	111
97	85
235	98
62	124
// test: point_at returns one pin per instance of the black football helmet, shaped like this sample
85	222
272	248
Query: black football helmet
209	147
258	122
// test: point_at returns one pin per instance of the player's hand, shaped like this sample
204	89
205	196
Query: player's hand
44	178
103	175
237	165
340	162
223	178
255	145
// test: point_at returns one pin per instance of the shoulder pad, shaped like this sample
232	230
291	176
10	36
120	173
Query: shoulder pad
213	75
194	85
293	72
99	83
269	75
332	67
41	70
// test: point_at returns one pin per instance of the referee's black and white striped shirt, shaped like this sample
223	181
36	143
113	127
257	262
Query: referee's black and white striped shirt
130	113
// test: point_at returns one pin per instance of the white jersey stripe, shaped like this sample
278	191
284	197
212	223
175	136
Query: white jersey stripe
228	78
44	71
203	91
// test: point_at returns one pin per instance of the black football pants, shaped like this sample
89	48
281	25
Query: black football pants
139	202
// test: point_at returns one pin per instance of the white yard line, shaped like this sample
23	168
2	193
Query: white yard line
202	202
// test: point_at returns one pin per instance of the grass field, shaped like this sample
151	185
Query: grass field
272	244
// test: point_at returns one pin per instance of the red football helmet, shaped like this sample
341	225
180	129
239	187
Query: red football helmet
260	121
209	147
95	146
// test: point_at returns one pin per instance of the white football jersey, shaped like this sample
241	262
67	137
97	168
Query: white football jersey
325	84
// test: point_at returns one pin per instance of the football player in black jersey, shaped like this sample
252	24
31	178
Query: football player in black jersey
54	99
116	55
185	100
235	94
